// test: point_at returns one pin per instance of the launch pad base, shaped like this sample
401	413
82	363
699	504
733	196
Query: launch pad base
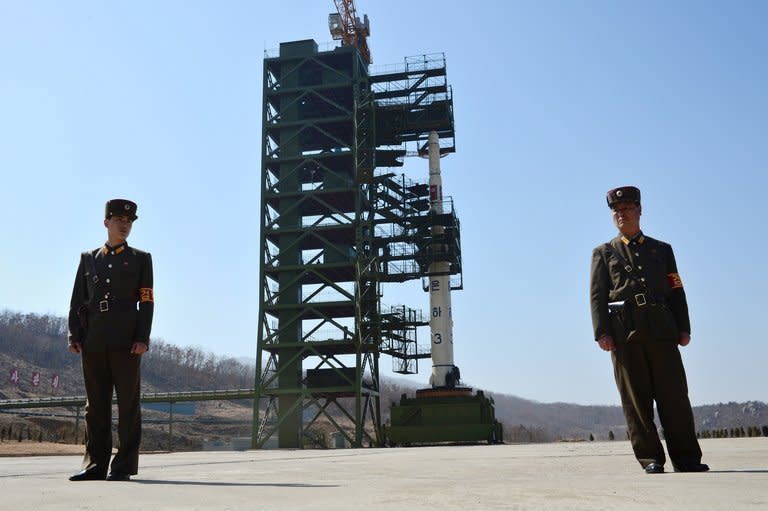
443	415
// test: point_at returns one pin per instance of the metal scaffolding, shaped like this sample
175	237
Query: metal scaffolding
333	230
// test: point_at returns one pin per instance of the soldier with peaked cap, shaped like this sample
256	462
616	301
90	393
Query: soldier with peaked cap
640	315
110	319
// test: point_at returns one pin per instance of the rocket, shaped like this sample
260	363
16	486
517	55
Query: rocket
444	372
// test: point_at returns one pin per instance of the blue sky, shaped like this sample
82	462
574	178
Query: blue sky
555	102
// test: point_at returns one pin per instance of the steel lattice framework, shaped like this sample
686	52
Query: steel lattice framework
332	230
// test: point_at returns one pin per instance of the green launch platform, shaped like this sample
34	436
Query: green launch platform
443	415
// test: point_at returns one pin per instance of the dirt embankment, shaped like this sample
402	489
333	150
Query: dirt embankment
38	449
35	434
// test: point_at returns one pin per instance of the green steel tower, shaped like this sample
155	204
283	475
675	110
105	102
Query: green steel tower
333	230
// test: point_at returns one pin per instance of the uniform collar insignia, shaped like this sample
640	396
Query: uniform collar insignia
106	249
639	239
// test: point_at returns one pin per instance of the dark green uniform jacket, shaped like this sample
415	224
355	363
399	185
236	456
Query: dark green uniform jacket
653	262
119	302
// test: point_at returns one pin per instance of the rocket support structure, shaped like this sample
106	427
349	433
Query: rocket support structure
446	412
444	372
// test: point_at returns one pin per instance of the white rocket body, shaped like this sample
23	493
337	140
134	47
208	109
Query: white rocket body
440	318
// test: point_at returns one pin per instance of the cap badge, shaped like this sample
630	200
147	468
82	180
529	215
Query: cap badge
127	207
619	193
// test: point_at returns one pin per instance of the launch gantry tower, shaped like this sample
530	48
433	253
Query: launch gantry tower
334	229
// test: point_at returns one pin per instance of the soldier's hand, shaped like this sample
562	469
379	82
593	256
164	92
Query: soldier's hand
606	343
139	348
75	347
683	338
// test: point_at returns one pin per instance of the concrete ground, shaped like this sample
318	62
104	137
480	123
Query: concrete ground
561	476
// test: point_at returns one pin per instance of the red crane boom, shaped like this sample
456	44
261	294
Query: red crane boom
345	25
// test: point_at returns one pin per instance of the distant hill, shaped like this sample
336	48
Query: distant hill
36	344
32	343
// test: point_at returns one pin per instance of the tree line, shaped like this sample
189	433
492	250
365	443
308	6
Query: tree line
40	340
739	432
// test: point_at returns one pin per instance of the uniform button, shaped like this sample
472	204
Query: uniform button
637	254
642	279
112	253
106	296
109	265
107	281
639	267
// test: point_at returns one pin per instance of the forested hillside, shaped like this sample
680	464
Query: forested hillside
34	362
36	344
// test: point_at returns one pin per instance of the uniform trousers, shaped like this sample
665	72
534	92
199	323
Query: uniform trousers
651	370
103	371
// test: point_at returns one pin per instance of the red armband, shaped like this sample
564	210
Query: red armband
674	281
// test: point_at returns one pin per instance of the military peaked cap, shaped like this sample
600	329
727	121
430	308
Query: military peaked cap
120	207
623	194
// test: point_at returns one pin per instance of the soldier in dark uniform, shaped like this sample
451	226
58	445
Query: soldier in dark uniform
640	315
110	318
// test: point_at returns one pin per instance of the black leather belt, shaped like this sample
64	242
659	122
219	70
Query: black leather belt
642	299
113	304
